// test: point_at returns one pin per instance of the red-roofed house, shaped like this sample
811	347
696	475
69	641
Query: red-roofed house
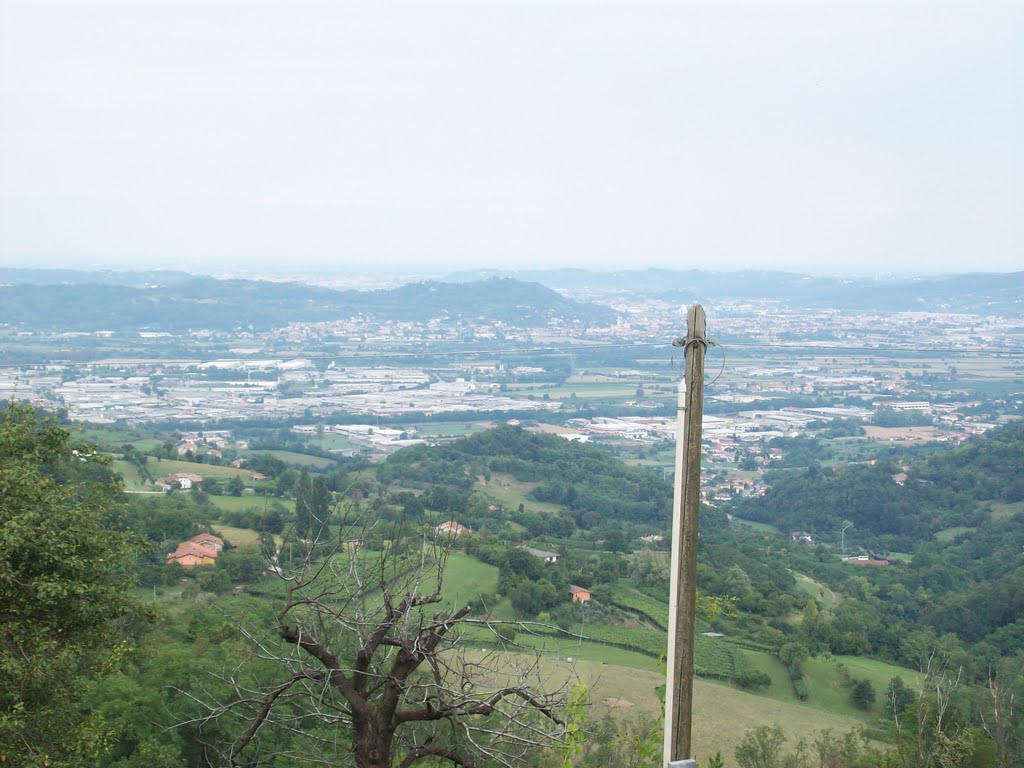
451	528
208	540
201	549
579	594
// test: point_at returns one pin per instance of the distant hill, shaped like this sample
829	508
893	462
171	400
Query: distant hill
135	279
591	483
947	490
207	303
996	293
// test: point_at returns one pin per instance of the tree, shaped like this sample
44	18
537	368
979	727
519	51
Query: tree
65	612
234	486
862	694
761	747
312	505
898	696
927	735
371	663
1001	712
793	656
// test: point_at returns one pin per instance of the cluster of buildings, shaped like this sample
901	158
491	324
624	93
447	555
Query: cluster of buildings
194	391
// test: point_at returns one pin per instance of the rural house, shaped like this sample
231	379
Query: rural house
579	594
451	528
547	557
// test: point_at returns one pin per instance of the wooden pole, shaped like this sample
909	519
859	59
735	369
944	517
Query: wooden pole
686	507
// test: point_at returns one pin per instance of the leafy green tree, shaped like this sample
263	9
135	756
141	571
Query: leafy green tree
312	505
761	748
794	656
862	694
64	579
898	696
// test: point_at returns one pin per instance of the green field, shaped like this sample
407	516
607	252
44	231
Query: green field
951	533
764	527
298	459
241	537
822	594
466	578
240	503
1002	510
104	436
622	685
334	443
824	683
130	473
827	691
163	467
148	444
510	493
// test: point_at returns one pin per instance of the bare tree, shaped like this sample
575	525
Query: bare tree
1001	719
373	665
927	736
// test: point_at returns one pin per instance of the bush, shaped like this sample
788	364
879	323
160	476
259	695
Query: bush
800	688
752	680
862	695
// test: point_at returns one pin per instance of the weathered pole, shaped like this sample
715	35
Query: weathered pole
686	507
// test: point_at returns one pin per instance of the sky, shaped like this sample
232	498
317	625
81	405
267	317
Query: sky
353	136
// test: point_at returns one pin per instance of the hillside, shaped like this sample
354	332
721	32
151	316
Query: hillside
976	292
593	485
957	523
174	306
898	505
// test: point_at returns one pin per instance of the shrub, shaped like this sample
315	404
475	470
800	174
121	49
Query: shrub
752	680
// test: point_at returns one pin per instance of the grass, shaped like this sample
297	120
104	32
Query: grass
827	691
147	444
510	493
623	684
818	591
163	467
105	436
567	647
298	459
722	715
240	503
240	537
763	527
1002	510
949	534
334	443
132	480
465	578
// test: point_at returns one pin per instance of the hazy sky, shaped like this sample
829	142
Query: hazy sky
825	136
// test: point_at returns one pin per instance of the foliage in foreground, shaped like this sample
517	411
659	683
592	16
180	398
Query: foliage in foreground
65	614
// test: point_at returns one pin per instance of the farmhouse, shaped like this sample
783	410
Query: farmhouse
201	549
579	594
547	557
208	540
183	480
451	528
